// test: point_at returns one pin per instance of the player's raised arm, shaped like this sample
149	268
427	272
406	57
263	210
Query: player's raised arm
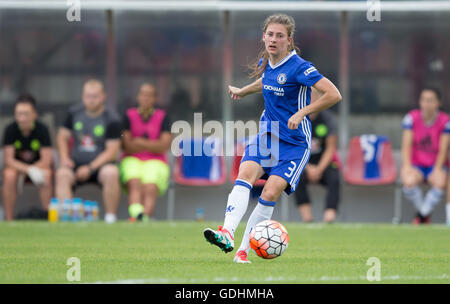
330	96
238	93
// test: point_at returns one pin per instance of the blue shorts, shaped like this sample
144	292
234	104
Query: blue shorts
278	158
427	170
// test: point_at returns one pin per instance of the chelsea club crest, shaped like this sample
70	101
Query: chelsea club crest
282	78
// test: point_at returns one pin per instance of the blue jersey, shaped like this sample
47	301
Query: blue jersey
287	89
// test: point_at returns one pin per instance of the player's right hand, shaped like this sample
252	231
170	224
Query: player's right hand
83	173
314	174
235	93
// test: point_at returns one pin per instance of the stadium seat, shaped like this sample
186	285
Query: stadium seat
370	162
203	170
200	170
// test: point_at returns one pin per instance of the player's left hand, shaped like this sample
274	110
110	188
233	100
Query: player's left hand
295	120
83	173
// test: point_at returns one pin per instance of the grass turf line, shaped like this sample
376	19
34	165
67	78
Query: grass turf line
163	252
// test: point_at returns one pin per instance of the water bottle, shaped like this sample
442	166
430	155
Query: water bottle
94	211
53	210
200	215
76	209
88	211
81	210
66	213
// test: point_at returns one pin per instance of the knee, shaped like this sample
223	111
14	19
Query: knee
246	177
10	176
150	190
438	181
409	182
249	173
48	175
134	185
269	194
411	178
440	184
63	175
109	174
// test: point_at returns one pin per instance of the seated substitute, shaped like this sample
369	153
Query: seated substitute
94	134
322	167
146	138
27	152
447	206
424	154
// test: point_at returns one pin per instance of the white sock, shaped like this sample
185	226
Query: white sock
110	218
447	209
236	205
434	195
414	195
263	211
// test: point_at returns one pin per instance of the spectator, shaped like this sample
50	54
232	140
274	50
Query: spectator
447	206
94	132
322	167
27	152
146	138
424	154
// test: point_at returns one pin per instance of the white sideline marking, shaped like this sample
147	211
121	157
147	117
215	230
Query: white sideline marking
268	279
356	226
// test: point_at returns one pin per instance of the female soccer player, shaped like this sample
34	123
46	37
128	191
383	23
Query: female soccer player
282	147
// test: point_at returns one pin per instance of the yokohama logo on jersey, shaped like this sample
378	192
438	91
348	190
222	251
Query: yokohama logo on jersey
276	90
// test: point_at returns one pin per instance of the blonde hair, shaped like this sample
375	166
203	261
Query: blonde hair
289	23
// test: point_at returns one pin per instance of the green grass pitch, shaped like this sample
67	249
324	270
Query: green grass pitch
163	252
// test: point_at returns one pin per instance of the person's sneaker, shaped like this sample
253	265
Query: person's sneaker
110	218
222	238
143	218
420	219
241	257
417	220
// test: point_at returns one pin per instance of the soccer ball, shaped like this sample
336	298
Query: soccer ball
269	239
